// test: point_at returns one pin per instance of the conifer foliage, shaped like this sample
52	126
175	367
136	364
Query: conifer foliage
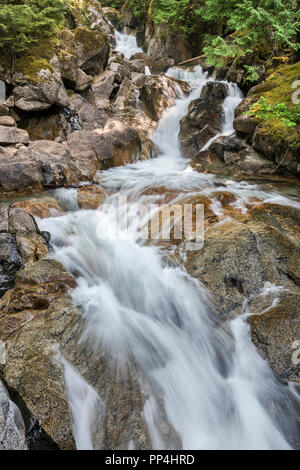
24	22
250	24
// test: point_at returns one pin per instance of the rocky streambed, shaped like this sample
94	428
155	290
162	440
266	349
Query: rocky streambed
116	342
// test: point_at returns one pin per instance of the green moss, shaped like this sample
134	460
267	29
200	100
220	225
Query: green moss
275	90
77	10
91	40
280	82
280	132
38	58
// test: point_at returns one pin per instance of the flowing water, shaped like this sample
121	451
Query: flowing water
216	390
126	44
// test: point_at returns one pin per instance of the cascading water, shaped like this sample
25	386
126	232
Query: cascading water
232	100
217	392
126	44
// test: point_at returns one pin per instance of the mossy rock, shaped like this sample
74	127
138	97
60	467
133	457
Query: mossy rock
89	48
90	39
278	85
80	10
36	59
277	88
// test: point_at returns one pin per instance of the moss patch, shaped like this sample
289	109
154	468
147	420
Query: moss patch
91	40
38	58
278	89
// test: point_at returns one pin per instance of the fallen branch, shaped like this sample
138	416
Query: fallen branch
192	60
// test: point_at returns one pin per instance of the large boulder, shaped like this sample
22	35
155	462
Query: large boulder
161	65
12	135
55	163
240	256
275	332
72	75
41	91
159	93
89	47
7	121
90	197
270	133
239	158
243	123
89	116
204	119
19	172
278	150
103	88
127	96
49	164
43	164
20	242
31	368
163	41
45	125
41	207
118	63
114	145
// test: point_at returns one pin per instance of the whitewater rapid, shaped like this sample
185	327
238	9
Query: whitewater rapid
215	389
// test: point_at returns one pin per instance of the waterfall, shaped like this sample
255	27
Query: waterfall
232	100
126	44
217	392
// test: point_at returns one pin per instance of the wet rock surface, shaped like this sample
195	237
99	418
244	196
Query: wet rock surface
20	242
12	429
237	158
40	207
239	256
238	259
49	164
204	119
274	330
90	197
158	94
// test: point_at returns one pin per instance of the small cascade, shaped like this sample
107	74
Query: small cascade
232	100
229	105
126	44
